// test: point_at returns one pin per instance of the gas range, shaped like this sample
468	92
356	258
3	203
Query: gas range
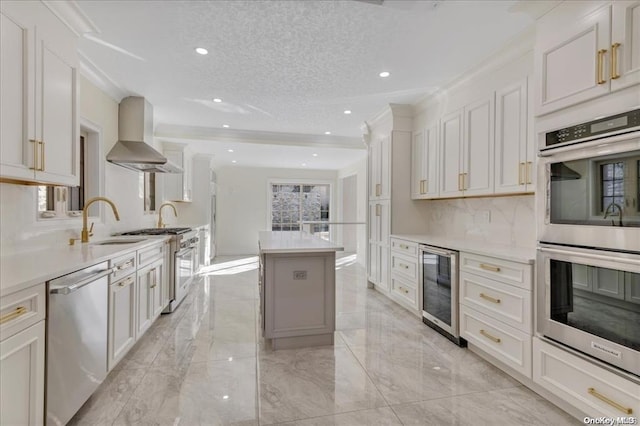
158	231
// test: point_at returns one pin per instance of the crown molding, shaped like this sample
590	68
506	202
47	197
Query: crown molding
100	79
178	133
72	16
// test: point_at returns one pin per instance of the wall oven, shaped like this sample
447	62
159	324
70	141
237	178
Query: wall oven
589	300
590	173
439	280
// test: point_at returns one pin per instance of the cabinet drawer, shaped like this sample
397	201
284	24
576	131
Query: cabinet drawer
511	346
514	273
22	309
149	254
590	388
124	265
403	246
506	303
405	266
404	292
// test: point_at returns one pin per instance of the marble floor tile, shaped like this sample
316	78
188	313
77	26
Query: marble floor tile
374	417
515	406
145	351
311	382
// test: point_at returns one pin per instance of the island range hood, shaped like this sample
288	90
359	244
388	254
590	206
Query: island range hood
135	131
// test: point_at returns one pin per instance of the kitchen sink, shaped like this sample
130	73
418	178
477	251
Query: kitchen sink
115	242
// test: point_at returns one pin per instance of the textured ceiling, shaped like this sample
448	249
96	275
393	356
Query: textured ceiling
290	66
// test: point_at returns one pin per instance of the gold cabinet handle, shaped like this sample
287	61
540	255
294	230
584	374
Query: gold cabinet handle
378	210
154	281
35	154
465	181
490	337
614	61
423	187
41	143
489	298
126	282
491	268
404	266
528	173
609	401
20	310
601	53
459	182
520	182
127	264
378	189
404	246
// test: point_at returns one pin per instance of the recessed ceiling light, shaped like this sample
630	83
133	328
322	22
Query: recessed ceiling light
225	397
229	150
217	100
201	50
226	126
327	133
234	161
304	164
347	111
315	155
384	74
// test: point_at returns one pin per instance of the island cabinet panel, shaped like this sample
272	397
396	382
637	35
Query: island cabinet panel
299	299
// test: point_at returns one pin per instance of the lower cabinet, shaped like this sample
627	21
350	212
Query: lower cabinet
22	377
149	295
122	318
592	389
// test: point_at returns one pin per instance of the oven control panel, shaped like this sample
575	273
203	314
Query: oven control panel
595	128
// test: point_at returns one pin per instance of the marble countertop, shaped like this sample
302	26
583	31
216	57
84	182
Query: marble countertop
294	242
23	270
516	254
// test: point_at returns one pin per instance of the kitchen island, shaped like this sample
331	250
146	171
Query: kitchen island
297	289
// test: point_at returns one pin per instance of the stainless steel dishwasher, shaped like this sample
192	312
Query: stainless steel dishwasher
76	340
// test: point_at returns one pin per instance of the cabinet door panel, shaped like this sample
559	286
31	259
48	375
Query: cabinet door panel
122	319
477	163
385	223
511	139
144	315
385	168
16	99
417	168
567	65
374	222
430	162
626	32
450	149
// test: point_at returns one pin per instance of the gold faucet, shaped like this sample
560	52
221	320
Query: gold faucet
160	223
86	233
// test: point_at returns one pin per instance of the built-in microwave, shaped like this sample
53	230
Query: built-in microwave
589	300
589	176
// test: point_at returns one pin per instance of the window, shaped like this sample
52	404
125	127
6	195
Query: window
618	186
60	202
612	178
292	203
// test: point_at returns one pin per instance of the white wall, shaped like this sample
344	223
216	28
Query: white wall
242	208
19	226
359	169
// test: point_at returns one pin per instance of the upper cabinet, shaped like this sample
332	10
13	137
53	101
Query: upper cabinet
467	145
589	57
514	152
379	168
38	96
178	186
424	164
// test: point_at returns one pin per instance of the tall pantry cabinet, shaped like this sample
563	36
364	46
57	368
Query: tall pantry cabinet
391	209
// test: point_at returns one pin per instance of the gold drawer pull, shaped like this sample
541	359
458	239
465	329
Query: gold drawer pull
489	298
611	402
491	268
614	61
489	336
127	264
404	246
125	282
601	54
404	266
20	310
378	189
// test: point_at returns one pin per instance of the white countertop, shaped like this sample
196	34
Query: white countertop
516	254
294	242
23	270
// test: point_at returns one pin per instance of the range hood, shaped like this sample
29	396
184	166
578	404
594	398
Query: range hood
135	131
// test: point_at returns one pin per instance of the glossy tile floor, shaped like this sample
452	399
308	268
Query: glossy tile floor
206	364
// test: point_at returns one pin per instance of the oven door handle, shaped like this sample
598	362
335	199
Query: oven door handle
184	251
626	258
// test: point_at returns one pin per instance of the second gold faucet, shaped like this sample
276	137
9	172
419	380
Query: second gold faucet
161	224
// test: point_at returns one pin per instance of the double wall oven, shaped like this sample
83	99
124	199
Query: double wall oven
588	294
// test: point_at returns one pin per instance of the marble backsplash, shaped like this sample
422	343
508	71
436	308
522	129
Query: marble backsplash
500	220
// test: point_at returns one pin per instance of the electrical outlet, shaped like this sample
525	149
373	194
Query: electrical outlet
482	217
299	275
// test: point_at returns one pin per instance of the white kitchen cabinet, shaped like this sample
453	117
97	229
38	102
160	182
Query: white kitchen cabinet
591	56
156	296
424	163
122	318
379	168
22	377
514	152
466	146
625	44
379	222
38	96
149	295
178	186
405	275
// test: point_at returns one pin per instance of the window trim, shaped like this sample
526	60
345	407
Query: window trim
305	181
94	134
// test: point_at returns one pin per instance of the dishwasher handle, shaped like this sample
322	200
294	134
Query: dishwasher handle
78	285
